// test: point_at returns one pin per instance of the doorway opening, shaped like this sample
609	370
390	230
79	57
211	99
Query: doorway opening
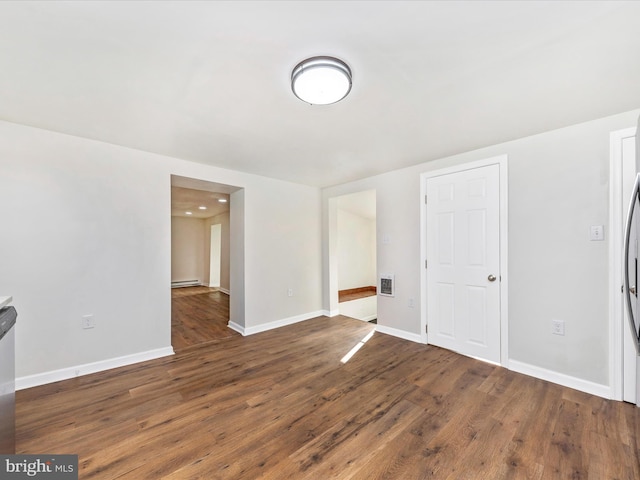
355	266
202	266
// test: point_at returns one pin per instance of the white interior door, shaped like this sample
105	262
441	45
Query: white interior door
463	261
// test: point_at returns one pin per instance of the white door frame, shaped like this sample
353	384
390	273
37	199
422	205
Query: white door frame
332	242
501	161
617	207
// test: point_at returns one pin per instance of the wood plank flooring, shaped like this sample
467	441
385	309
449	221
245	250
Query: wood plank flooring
198	315
281	405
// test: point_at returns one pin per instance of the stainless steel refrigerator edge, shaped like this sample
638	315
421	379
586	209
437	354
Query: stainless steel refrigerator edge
631	250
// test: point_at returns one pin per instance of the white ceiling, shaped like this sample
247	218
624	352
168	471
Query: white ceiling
209	81
189	194
185	200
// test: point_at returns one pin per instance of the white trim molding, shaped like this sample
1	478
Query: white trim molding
412	337
88	368
560	378
617	206
236	327
263	327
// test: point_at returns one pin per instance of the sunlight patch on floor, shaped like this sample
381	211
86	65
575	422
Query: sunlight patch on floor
357	347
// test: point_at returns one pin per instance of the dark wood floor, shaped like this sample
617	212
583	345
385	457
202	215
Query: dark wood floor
281	405
198	315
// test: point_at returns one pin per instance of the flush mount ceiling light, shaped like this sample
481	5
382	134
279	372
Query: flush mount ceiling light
321	80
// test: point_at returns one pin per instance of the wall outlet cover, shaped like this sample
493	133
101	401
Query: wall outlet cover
88	321
557	327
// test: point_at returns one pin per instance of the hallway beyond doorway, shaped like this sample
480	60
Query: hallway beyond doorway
198	315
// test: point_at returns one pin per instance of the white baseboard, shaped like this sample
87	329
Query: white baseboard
87	368
224	290
561	379
276	324
236	327
332	313
413	337
586	386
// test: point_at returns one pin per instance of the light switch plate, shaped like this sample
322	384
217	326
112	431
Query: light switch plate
596	233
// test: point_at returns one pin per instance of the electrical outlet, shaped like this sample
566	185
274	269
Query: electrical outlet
411	303
88	321
290	292
557	327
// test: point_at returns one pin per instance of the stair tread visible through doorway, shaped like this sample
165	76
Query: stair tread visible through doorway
356	293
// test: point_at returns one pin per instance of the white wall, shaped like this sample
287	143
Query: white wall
188	249
558	187
87	230
283	251
237	302
356	251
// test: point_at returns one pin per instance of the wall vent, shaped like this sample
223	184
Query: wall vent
387	285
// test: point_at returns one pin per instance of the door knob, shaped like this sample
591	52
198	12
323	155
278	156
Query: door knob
491	278
633	289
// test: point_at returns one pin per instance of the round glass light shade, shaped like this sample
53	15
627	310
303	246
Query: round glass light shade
321	80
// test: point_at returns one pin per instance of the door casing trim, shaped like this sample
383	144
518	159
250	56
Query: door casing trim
502	162
616	226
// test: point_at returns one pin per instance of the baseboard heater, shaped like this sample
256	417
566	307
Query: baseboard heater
185	283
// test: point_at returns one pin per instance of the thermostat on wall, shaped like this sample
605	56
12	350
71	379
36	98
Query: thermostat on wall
387	285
